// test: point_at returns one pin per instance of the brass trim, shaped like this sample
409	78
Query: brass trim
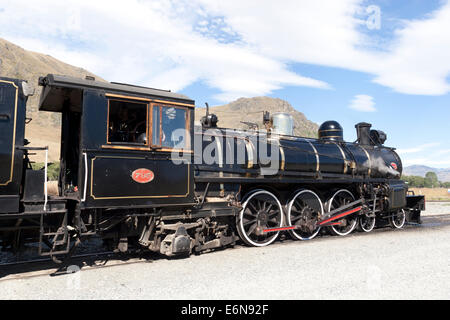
249	145
160	124
174	150
134	197
331	130
187	125
126	97
220	154
368	158
283	158
147	144
14	132
145	149
175	103
149	128
317	156
148	100
343	157
125	148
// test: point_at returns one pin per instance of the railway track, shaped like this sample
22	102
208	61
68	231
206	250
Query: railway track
29	268
43	260
46	267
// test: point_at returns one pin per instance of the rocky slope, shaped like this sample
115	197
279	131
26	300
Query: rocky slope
44	130
15	62
251	110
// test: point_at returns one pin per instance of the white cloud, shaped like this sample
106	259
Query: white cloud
429	162
429	154
442	152
419	148
240	48
417	61
148	43
328	33
363	103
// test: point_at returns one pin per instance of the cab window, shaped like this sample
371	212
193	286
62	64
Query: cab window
127	122
169	127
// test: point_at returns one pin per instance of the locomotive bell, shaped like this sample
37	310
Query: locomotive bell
331	130
210	120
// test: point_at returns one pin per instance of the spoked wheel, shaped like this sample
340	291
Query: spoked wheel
398	219
261	210
304	211
347	224
366	223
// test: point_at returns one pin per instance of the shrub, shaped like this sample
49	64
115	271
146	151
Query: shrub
52	170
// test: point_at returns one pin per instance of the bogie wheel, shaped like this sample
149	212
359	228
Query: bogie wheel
397	220
348	223
304	211
261	210
366	223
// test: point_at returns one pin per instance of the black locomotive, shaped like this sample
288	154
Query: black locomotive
135	170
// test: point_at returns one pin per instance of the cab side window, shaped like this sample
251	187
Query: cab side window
169	127
127	122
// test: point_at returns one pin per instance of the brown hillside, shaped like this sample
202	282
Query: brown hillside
251	110
16	62
44	130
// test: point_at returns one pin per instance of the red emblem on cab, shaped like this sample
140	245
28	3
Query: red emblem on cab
394	165
143	175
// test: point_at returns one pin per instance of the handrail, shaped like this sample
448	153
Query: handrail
32	148
85	177
45	181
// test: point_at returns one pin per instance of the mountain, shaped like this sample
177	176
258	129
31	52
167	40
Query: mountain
44	129
421	171
417	170
15	62
251	110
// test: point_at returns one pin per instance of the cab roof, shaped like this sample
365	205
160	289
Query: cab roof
56	90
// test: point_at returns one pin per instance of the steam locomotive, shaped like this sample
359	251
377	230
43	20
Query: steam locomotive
137	171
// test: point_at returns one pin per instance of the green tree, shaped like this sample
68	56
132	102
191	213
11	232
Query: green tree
52	170
431	180
415	181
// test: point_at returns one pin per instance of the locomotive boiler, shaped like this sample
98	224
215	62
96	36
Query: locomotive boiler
137	171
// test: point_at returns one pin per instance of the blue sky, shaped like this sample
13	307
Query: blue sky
383	62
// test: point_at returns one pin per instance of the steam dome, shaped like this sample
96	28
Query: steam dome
331	130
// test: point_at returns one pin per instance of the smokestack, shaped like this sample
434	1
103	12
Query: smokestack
363	132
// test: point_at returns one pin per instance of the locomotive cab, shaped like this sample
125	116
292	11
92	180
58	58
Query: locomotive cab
117	142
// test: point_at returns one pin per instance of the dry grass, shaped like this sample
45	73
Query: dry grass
42	136
433	194
52	187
